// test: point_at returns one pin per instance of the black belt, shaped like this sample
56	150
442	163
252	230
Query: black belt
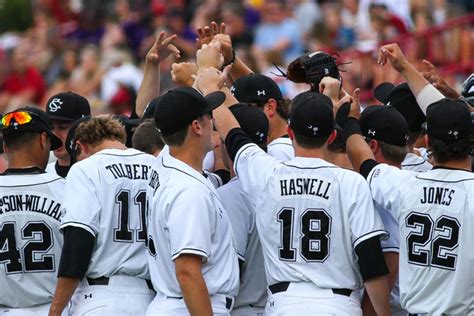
105	281
228	301
283	286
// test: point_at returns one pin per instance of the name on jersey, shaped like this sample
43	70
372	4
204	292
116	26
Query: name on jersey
436	195
133	171
30	203
154	181
305	186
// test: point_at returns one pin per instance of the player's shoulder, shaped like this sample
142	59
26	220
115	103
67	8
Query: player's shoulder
34	179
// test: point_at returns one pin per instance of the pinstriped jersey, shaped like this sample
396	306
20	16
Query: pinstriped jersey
30	242
436	219
311	215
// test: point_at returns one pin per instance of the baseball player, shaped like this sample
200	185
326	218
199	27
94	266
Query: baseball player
311	228
253	285
104	227
401	98
263	92
192	259
30	213
147	139
64	109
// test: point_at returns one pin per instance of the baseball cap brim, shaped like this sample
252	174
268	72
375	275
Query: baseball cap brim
383	90
55	141
61	118
213	100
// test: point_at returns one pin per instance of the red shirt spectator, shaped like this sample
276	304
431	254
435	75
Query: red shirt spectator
30	79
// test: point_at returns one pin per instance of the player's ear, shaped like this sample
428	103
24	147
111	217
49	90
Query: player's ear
196	127
427	140
270	107
45	142
290	132
374	146
332	137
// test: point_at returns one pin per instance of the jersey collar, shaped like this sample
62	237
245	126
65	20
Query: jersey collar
29	170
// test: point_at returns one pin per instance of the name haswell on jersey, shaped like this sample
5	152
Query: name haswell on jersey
309	186
30	203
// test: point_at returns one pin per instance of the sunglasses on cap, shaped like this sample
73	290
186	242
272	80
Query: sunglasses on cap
16	118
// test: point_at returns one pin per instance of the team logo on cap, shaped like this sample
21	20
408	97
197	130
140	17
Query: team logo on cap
371	132
454	133
55	105
232	89
314	129
260	135
262	92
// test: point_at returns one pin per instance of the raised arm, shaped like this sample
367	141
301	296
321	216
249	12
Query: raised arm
150	86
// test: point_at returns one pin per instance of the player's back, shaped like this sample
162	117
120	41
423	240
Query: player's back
310	217
106	195
30	241
436	219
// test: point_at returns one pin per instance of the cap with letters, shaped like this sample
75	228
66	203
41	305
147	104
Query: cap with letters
67	106
311	115
29	119
254	88
403	100
253	122
448	120
179	107
385	124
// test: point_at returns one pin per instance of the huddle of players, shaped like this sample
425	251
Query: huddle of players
127	217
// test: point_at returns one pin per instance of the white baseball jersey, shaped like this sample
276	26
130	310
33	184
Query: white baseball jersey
311	215
106	195
51	167
281	149
253	285
416	163
30	242
436	221
186	216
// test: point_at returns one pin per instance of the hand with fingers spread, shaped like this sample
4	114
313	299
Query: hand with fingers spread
162	48
436	79
393	54
355	104
207	33
209	56
182	73
210	79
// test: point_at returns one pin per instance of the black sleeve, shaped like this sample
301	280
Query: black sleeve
235	140
367	166
223	174
371	260
76	253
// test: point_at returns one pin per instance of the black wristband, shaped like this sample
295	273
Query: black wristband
351	127
231	61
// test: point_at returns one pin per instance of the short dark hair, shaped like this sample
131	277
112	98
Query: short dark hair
413	137
453	150
283	107
310	142
146	137
178	138
18	141
338	146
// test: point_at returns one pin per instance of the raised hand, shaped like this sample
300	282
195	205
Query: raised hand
393	54
210	79
209	56
330	87
182	73
207	33
162	48
436	79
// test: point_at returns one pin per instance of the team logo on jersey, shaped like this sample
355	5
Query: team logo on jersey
262	92
371	132
55	105
314	129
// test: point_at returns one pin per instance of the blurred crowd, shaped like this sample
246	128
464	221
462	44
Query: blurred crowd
97	48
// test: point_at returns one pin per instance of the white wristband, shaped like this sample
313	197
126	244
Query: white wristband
428	95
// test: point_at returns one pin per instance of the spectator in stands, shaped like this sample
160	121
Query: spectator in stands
233	15
86	78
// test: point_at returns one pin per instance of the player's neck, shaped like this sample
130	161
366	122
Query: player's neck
310	153
64	162
277	130
22	161
191	157
464	164
107	144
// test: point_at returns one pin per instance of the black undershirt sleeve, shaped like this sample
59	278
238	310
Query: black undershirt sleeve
235	140
224	175
367	166
371	260
76	253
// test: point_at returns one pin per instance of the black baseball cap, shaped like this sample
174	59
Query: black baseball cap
255	88
67	106
253	121
29	119
312	115
448	120
404	101
149	111
179	107
385	124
